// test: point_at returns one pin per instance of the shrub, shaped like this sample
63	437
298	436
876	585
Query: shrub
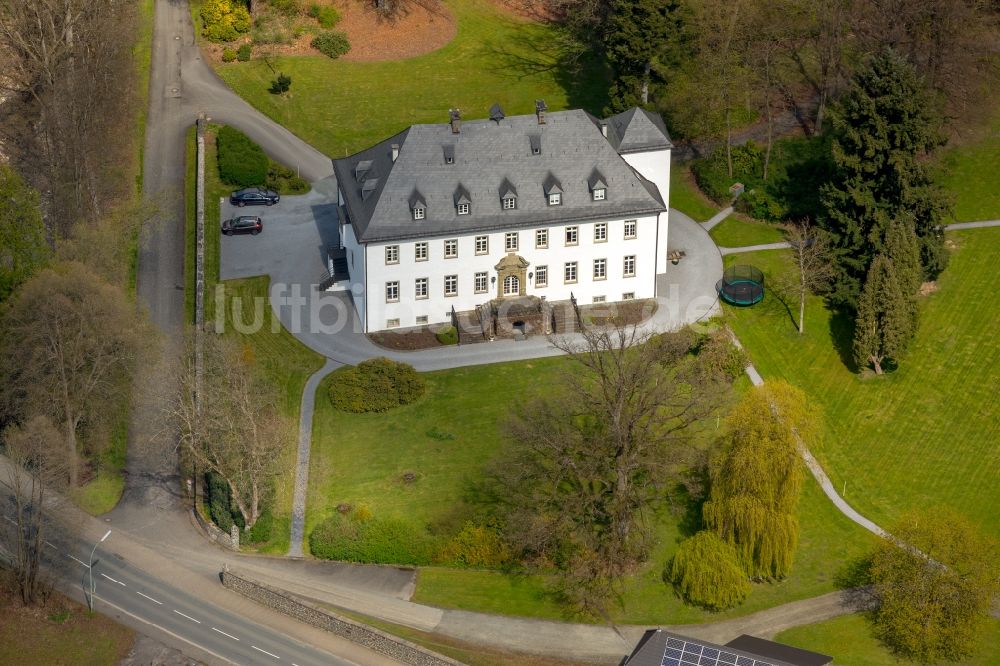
375	385
718	354
286	7
712	173
284	181
326	15
375	541
228	55
280	85
331	43
243	53
219	504
447	336
706	572
224	20
241	161
760	205
474	546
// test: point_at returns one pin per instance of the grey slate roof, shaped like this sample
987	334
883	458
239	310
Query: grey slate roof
658	648
488	155
637	130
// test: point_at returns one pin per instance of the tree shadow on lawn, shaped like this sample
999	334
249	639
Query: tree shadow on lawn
842	337
536	52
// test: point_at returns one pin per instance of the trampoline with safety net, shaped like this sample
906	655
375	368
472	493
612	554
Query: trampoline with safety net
741	285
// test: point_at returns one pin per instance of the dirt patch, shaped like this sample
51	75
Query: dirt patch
409	340
928	288
420	31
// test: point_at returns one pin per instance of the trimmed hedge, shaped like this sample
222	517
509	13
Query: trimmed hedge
447	336
375	385
241	161
331	43
373	541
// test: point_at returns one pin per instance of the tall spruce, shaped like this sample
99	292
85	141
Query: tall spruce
639	34
883	127
757	478
886	320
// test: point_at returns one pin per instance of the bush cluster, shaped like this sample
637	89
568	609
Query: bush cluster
475	546
375	541
331	43
375	385
224	20
757	203
283	180
220	504
712	172
228	55
447	336
326	15
241	161
718	354
243	53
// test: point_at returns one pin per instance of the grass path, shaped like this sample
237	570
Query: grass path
921	436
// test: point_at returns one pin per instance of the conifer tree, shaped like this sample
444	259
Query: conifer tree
886	318
638	32
757	478
882	128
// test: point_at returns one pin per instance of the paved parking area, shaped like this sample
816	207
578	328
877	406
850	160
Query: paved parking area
291	248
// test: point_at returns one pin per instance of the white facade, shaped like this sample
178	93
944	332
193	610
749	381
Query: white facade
654	165
391	294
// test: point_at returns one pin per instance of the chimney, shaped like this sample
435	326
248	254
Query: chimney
604	129
395	151
540	108
456	120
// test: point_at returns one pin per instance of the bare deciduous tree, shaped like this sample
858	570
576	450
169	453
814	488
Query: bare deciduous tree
813	263
69	343
589	464
228	423
36	471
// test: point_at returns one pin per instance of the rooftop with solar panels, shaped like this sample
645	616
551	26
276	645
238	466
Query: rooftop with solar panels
663	648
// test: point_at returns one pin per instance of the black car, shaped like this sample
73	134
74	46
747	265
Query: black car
244	224
254	196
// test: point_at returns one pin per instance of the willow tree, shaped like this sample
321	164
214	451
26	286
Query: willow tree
757	477
706	571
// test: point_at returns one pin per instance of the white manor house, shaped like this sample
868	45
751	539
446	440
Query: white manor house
442	219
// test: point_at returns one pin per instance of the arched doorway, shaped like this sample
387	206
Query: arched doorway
511	286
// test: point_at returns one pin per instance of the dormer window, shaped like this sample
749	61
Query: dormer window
508	195
463	202
555	199
598	186
418	205
553	190
419	213
463	209
509	203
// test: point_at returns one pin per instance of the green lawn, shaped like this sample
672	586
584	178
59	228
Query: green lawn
849	640
686	197
922	436
970	172
739	231
341	107
449	435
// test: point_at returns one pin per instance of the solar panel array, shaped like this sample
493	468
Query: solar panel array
686	653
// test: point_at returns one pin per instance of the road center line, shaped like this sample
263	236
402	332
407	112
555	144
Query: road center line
225	634
113	580
187	616
149	597
265	652
80	561
50	545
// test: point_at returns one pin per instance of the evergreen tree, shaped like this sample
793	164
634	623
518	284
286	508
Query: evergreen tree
23	249
758	476
638	33
882	128
887	318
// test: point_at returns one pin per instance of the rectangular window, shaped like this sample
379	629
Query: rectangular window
420	251
629	229
392	254
392	291
420	288
391	323
463	209
422	319
450	285
541	238
600	299
600	232
599	194
510	203
542	276
418	213
629	265
482	244
555	199
481	283
600	269
572	235
628	296
510	241
451	248
569	272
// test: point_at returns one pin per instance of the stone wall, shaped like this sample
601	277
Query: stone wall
213	532
397	648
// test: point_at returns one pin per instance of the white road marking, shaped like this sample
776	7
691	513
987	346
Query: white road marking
149	597
9	520
80	561
225	634
50	545
187	616
265	652
113	580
